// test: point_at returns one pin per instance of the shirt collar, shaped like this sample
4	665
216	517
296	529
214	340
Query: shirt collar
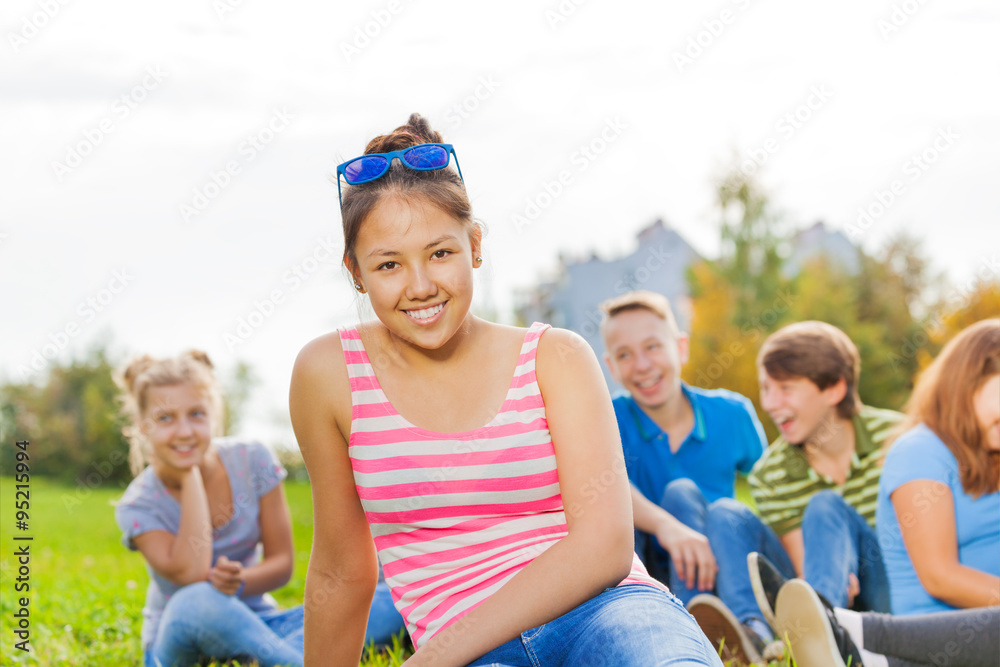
649	430
863	443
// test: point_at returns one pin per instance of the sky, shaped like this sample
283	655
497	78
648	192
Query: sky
166	168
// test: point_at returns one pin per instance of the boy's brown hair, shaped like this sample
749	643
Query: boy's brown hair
819	352
641	299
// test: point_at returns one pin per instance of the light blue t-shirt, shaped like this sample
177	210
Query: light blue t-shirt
919	454
253	470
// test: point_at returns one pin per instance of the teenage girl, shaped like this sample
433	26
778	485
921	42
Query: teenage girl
201	510
481	462
939	495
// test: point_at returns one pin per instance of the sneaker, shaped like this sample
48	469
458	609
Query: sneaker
731	639
766	582
807	624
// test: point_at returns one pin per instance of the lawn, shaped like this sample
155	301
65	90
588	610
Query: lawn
86	589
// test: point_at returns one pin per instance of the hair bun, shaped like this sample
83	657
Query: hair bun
134	370
417	130
200	357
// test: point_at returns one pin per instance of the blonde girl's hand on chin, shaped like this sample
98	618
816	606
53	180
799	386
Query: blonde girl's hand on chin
226	576
175	476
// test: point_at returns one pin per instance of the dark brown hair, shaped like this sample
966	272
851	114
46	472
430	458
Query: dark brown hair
943	400
819	352
442	188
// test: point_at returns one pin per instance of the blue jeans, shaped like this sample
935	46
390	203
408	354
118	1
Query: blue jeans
628	625
684	501
199	621
384	622
838	542
733	531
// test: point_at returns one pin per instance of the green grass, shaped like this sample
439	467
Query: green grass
87	590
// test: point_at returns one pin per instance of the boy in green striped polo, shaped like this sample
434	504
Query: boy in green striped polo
817	485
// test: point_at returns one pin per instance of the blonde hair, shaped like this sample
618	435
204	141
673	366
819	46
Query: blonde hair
641	299
192	367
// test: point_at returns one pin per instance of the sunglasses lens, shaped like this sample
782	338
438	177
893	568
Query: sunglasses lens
426	157
364	169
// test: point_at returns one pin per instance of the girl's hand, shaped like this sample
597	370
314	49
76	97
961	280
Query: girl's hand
226	575
170	473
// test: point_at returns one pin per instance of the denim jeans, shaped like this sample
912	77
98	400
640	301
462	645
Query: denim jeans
384	622
733	531
838	542
628	625
199	621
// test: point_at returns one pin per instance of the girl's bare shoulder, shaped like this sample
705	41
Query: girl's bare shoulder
323	351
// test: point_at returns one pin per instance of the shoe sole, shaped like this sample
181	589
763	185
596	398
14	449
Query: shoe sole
801	621
722	629
758	588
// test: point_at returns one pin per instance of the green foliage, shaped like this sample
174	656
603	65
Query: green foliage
73	419
87	590
951	315
751	241
236	393
746	295
72	422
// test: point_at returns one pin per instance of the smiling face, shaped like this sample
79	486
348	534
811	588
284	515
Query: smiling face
797	406
986	406
178	425
645	357
415	262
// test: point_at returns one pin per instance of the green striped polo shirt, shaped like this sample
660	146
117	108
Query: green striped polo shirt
782	481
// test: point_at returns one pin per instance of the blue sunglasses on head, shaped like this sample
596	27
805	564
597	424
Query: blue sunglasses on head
422	157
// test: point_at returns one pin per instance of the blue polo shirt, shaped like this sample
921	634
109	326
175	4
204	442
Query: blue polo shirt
727	438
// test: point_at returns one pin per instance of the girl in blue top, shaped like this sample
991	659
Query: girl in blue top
938	511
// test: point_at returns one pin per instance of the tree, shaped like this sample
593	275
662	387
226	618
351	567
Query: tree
236	394
750	256
741	298
71	422
955	312
74	423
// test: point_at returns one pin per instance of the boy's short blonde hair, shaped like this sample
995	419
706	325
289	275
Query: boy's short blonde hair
641	299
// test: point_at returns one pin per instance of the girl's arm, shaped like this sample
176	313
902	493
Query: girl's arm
926	514
275	569
184	558
343	570
598	551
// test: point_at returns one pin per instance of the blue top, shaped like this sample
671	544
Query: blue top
920	454
727	437
253	470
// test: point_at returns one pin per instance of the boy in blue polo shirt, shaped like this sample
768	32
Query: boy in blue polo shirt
683	448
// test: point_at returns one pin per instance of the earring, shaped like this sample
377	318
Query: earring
357	286
479	259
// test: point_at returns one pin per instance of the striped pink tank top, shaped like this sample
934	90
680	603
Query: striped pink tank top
455	515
